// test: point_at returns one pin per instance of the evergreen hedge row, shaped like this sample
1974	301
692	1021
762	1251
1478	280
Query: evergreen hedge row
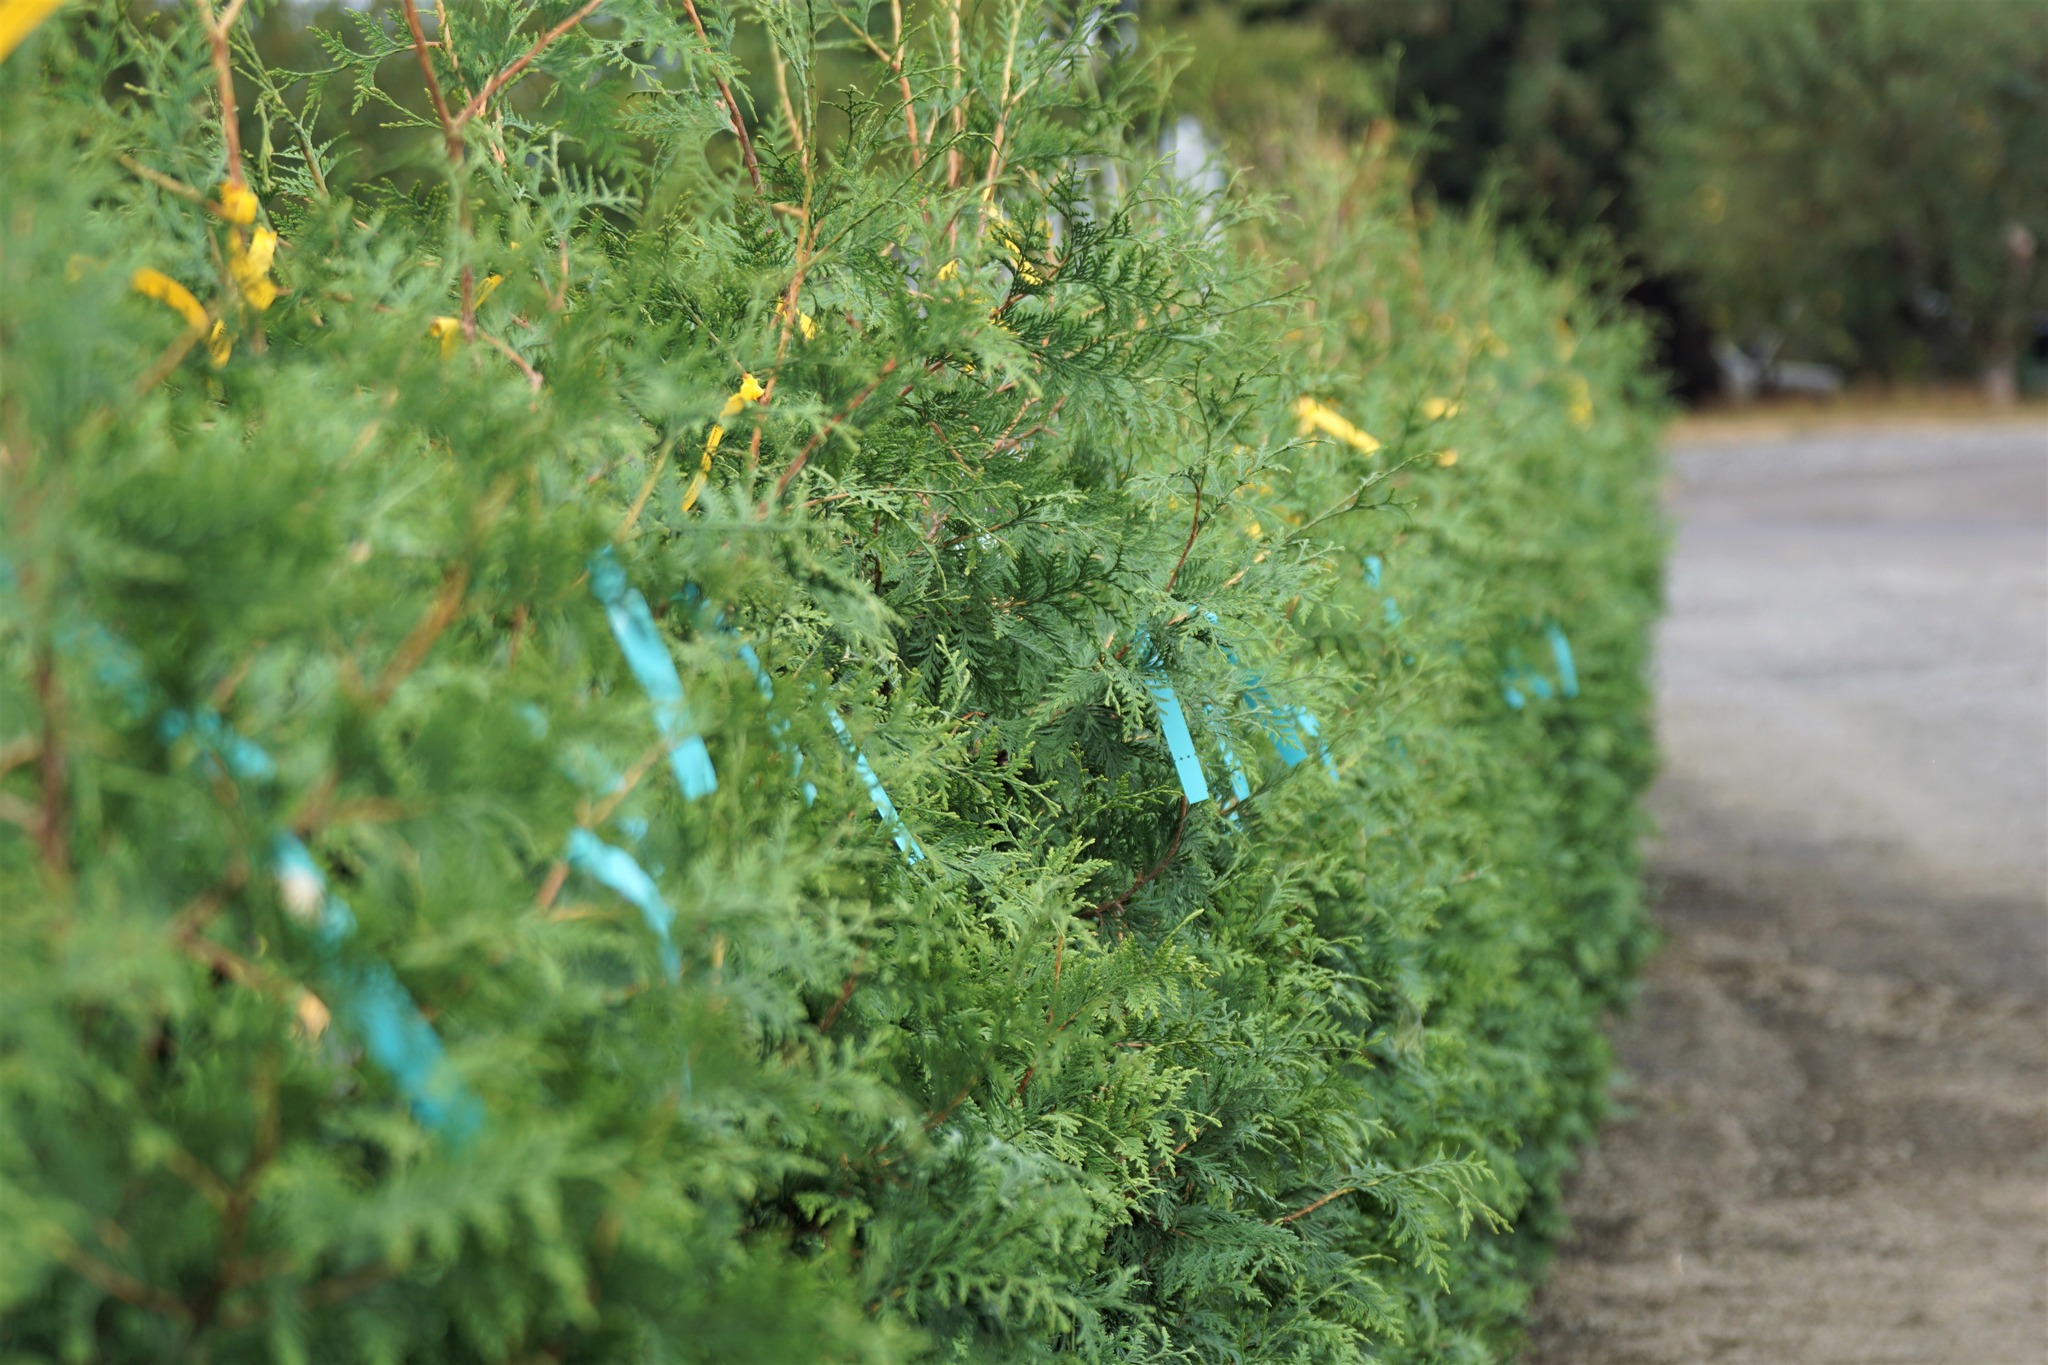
591	713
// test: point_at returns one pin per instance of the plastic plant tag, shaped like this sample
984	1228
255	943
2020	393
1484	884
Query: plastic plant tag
633	627
375	1004
1173	724
884	807
1561	655
617	869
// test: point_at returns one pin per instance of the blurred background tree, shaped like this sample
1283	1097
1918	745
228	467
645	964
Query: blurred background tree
1859	180
1529	107
1853	181
1532	100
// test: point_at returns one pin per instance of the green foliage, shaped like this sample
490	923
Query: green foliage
1105	1075
1860	177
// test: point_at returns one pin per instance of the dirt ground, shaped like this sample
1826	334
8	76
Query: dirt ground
1831	1138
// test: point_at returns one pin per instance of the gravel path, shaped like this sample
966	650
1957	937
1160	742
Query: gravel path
1831	1143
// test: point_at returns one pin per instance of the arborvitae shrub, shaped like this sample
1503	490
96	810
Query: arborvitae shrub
396	969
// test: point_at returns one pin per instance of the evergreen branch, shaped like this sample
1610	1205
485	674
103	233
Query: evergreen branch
1194	529
732	106
505	77
845	994
167	184
241	1199
224	78
413	650
451	127
1350	501
119	1284
796	465
52	836
1308	1209
1117	903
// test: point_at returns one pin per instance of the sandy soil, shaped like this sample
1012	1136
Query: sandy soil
1832	1136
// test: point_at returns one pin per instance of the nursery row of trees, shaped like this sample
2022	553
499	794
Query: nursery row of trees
743	690
1852	180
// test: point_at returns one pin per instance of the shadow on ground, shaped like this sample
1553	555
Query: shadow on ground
1831	1136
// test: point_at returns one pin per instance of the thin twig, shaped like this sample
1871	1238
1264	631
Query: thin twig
1308	1209
959	110
895	64
52	837
632	517
224	76
172	356
119	1284
541	44
732	106
845	994
413	650
504	348
551	885
162	181
1172	847
451	129
602	811
796	465
796	129
1194	529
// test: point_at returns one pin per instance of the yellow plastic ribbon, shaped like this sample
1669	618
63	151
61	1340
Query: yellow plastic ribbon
238	203
249	265
1581	408
18	19
1311	416
750	391
154	284
447	331
804	322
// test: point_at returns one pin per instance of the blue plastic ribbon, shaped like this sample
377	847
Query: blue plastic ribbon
1516	679
1286	727
377	1007
1561	654
778	726
1173	724
242	759
1519	683
374	1004
617	869
1240	785
648	657
884	807
1374	569
778	729
1307	721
